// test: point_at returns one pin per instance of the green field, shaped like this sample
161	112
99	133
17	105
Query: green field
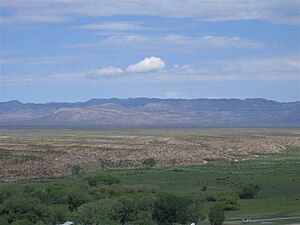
278	174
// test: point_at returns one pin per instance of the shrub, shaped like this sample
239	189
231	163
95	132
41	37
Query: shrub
106	192
104	180
97	212
141	188
149	163
109	180
229	202
76	200
170	208
211	197
216	215
50	194
77	171
250	191
133	208
93	181
24	208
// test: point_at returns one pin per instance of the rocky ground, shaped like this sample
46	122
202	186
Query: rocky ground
36	153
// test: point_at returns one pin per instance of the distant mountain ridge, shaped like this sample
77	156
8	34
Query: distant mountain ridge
255	112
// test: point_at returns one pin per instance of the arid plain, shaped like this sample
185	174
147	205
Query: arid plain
39	153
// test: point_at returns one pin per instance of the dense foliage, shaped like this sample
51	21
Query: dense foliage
250	191
216	215
170	208
100	203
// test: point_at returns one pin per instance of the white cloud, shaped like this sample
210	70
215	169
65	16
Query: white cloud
272	68
116	26
263	68
104	72
183	68
276	11
147	65
209	41
42	60
174	42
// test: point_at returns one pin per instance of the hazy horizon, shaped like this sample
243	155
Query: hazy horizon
242	99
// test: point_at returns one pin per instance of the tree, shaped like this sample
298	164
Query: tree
229	202
136	208
250	190
21	208
216	215
97	212
77	171
125	209
74	201
170	208
173	162
102	165
149	163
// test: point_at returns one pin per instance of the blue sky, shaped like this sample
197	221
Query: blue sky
62	50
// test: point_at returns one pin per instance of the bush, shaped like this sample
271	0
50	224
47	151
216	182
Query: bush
93	181
149	163
250	191
76	200
77	171
25	208
98	212
106	192
104	180
216	215
204	188
141	188
229	202
109	180
49	194
211	197
170	208
133	208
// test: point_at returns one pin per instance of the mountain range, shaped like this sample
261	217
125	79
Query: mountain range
256	112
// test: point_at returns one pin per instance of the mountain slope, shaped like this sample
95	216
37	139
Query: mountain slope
154	112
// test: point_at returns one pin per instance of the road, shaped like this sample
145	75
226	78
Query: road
263	219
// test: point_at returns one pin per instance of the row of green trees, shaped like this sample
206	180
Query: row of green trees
137	208
111	205
140	209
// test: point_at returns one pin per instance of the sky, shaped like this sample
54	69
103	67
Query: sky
75	50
